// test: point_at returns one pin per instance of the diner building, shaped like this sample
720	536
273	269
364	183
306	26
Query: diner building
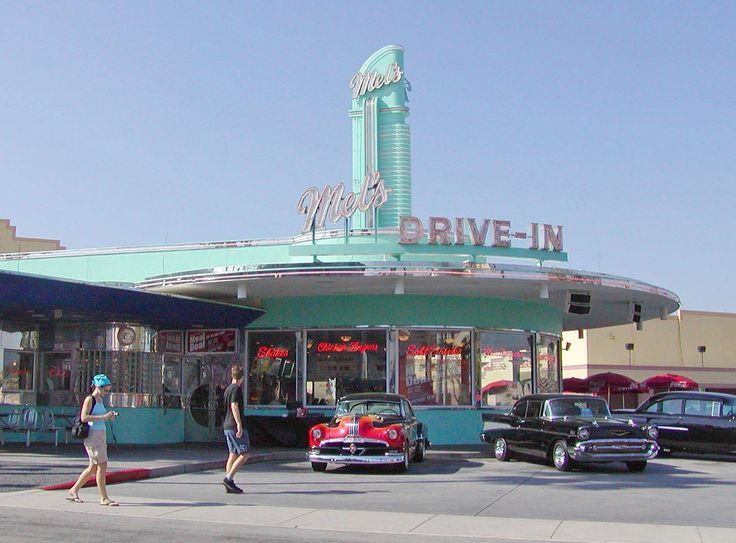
460	314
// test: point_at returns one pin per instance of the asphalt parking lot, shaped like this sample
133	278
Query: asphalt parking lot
688	491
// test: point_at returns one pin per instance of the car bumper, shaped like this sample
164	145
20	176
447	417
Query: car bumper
331	458
614	450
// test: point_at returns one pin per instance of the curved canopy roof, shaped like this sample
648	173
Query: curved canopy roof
610	297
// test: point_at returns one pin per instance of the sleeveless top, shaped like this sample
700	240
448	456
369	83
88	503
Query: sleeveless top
97	411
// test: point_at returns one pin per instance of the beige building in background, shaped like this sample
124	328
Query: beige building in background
10	243
695	344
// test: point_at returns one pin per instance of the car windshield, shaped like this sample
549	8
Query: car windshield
570	407
368	407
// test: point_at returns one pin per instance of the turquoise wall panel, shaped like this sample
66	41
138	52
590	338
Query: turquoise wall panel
408	310
452	426
147	426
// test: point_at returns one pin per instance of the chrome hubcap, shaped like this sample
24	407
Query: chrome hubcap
500	447
559	455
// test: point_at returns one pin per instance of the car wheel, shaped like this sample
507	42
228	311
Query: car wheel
637	466
560	457
501	449
420	452
319	466
401	468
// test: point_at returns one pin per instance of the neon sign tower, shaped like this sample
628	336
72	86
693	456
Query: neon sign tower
381	139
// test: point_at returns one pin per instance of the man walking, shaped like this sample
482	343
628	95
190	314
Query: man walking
238	442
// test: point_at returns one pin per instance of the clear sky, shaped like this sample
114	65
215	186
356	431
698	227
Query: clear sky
142	123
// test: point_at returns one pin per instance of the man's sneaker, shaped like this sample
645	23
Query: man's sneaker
231	487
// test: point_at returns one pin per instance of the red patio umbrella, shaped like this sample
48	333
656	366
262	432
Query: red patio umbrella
573	384
615	382
669	381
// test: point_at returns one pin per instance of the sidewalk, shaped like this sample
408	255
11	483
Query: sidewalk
380	524
53	468
45	466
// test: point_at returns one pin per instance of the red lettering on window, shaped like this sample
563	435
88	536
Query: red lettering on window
432	350
354	347
272	352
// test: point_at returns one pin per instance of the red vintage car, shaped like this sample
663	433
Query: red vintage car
369	428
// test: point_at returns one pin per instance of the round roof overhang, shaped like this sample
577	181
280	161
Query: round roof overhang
611	297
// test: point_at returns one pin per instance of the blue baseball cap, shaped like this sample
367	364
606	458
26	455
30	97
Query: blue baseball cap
100	380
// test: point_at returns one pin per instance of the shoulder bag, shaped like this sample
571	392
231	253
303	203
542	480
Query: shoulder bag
80	429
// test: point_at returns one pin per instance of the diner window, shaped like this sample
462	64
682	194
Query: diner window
56	371
548	364
16	370
272	368
505	367
435	368
341	362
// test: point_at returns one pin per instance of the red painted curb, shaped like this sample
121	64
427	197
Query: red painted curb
112	477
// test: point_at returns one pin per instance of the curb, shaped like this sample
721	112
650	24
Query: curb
137	474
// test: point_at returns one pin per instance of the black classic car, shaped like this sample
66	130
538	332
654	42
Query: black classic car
369	428
699	422
570	428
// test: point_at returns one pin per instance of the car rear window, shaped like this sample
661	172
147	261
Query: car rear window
703	408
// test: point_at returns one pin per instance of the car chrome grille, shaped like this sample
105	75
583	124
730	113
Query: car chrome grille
617	447
353	427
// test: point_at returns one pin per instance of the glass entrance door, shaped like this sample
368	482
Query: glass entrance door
204	381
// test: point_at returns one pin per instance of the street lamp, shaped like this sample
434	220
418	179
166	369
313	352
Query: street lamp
701	350
629	347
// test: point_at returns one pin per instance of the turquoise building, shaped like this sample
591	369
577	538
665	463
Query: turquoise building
459	314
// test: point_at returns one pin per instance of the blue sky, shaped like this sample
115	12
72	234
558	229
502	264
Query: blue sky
140	123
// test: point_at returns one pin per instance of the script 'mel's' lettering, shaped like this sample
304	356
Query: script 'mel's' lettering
363	82
330	204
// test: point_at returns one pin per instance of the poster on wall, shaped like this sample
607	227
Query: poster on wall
211	341
170	341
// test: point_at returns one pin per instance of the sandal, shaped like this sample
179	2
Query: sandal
108	501
73	498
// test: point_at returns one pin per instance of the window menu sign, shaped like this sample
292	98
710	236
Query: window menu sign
211	341
169	341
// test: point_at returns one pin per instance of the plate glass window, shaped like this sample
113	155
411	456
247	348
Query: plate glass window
16	370
271	368
341	362
505	367
435	367
548	364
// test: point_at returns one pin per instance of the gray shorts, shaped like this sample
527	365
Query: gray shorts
237	445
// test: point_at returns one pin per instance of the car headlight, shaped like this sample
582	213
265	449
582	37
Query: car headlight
392	433
316	433
652	432
583	433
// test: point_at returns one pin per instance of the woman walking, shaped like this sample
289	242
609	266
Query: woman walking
94	413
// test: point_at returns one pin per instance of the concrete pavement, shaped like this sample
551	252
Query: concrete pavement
305	508
385	523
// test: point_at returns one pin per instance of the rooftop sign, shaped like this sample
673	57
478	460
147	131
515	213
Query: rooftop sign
364	82
440	232
330	204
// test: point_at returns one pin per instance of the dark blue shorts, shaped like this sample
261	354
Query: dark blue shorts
237	445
